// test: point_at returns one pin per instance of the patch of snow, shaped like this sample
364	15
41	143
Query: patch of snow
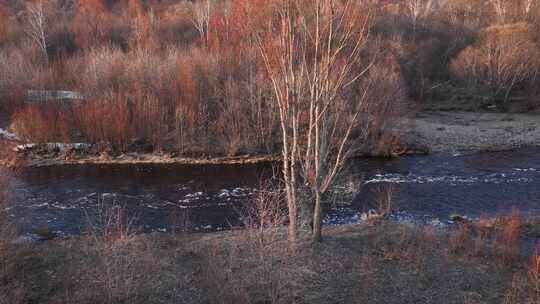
8	135
24	147
51	146
44	95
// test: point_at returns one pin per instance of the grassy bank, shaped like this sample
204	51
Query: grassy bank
376	262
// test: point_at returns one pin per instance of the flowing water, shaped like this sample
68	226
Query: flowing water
208	198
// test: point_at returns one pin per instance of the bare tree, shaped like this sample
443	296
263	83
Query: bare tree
37	24
507	11
313	62
418	9
529	6
200	18
500	8
505	57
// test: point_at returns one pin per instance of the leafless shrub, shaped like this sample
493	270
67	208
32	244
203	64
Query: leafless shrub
534	277
39	124
504	58
106	122
483	232
258	266
387	90
266	215
460	241
513	294
109	223
471	15
384	197
14	71
97	71
506	245
407	246
180	221
92	23
117	266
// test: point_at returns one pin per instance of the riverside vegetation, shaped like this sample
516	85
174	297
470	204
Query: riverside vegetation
188	76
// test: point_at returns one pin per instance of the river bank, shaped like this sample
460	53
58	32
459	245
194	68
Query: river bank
427	132
60	159
374	262
472	131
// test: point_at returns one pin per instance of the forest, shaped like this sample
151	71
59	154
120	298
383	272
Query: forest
190	77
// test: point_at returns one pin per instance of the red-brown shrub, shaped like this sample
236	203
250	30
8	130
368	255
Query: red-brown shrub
460	242
506	244
534	277
92	23
97	71
42	124
106	122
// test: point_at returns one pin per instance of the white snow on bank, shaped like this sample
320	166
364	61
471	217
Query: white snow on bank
60	146
8	135
24	147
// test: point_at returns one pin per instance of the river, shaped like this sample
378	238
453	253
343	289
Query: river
430	189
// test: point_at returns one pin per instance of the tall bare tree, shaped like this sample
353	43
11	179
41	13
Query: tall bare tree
418	9
529	6
37	25
313	60
200	18
501	9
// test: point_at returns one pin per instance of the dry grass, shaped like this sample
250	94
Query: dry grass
258	266
115	266
377	263
11	272
534	277
506	244
459	242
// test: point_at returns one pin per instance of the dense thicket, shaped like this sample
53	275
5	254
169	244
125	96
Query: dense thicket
187	76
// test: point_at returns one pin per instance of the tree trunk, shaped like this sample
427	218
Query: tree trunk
305	215
317	219
291	206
